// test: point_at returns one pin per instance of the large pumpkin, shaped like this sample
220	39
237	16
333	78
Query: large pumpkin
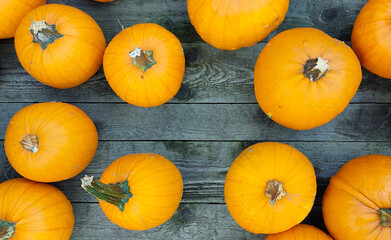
304	78
371	37
300	232
270	187
229	25
59	45
35	211
138	191
144	65
50	142
357	202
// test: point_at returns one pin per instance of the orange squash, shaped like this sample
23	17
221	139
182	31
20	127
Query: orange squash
270	187
371	39
144	65
230	25
49	142
304	78
12	12
59	45
301	232
357	203
31	210
138	191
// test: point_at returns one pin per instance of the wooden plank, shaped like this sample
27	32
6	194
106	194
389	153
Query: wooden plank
211	76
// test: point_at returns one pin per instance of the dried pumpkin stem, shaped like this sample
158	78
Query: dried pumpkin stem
43	33
117	194
7	230
274	191
30	143
142	59
385	217
315	68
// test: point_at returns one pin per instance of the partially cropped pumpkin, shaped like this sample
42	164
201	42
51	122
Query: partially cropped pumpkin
138	191
304	78
357	203
144	65
270	187
371	37
59	45
35	211
12	12
49	142
300	232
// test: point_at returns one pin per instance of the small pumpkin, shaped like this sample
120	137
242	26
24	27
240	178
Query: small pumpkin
31	210
49	142
371	39
302	232
357	203
138	191
59	45
303	78
230	25
12	12
270	187
144	65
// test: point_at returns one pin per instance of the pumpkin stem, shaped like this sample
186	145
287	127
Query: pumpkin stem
142	59
274	191
385	217
117	194
315	68
30	143
7	230
43	33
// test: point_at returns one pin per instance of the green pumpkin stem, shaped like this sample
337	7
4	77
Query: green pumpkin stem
315	68
7	230
142	59
30	143
43	33
274	191
385	217
117	194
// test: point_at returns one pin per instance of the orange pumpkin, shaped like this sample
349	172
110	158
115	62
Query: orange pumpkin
230	25
270	187
371	39
144	65
302	232
138	191
59	45
357	203
12	12
304	78
31	210
49	142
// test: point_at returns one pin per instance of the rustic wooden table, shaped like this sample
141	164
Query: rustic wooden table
206	125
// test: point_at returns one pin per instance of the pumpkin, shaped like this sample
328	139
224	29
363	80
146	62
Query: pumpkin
12	12
138	191
144	65
302	232
230	25
49	142
357	203
31	210
303	78
59	45
270	187
371	39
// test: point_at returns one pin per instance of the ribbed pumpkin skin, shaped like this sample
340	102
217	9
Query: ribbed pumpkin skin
371	39
160	82
246	181
156	185
300	232
12	12
67	141
39	210
354	196
290	98
68	61
230	25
